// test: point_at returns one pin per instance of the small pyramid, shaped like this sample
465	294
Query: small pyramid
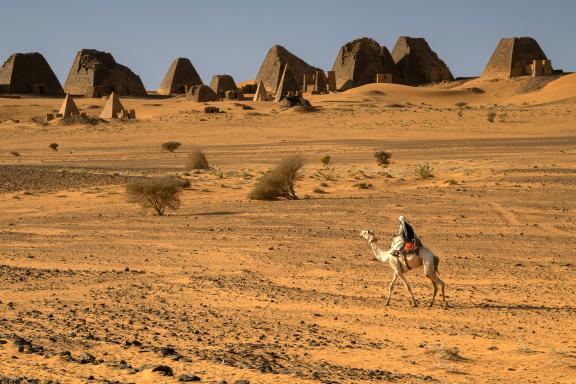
287	83
261	94
68	107
180	76
113	108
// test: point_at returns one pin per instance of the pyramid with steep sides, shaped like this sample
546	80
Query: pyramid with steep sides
359	61
272	68
113	108
180	76
29	73
96	74
68	107
513	57
418	63
261	94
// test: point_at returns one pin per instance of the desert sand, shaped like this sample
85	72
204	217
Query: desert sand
93	289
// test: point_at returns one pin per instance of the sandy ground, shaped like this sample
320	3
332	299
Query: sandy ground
93	289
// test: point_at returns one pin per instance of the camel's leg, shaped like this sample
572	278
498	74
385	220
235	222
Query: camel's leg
401	276
435	290
391	287
441	283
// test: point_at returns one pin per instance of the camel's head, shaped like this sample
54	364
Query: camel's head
368	234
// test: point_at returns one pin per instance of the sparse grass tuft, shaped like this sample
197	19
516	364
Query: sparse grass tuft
491	116
423	171
171	146
325	160
196	160
280	181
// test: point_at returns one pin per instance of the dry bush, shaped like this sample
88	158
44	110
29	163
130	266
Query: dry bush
171	146
158	193
363	185
491	116
15	154
382	158
325	160
196	160
279	182
423	171
449	353
53	146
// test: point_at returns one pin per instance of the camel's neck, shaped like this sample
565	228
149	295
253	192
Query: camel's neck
378	253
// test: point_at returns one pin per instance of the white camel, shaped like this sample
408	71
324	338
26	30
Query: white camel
422	257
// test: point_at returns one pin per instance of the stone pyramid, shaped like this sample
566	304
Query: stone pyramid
180	77
113	108
272	68
68	107
261	94
418	63
223	83
29	73
513	57
359	61
202	93
96	74
287	84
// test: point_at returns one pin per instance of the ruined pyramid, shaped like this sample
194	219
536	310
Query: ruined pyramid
97	74
418	63
359	61
29	73
180	77
272	68
201	94
223	83
113	108
68	107
514	57
287	84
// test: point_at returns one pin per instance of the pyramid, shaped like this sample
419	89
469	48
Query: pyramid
113	108
202	93
29	73
360	61
287	83
96	74
222	83
261	94
272	68
68	107
513	57
418	63
180	76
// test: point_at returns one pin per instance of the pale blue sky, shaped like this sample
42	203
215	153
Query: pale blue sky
226	36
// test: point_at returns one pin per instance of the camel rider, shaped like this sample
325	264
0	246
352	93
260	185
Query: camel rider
406	237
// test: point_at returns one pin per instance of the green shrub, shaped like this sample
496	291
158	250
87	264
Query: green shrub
158	193
280	181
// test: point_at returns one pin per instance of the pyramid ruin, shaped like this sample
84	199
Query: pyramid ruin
68	107
360	61
517	56
202	93
222	83
288	84
180	77
272	68
261	94
418	63
29	73
96	74
113	109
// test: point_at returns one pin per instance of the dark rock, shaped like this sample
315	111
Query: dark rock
189	378
164	370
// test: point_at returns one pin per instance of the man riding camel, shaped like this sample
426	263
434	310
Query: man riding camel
406	238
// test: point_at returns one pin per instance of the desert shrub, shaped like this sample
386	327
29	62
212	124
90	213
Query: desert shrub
382	158
327	174
423	171
15	154
171	146
196	160
363	185
158	193
449	353
53	146
279	182
325	160
491	116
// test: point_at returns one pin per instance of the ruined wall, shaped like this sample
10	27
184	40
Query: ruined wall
95	69
29	73
418	63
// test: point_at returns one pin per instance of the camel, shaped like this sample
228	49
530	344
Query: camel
422	257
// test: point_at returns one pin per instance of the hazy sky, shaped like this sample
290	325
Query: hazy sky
233	36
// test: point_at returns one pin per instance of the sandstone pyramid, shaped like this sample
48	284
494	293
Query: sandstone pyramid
418	63
261	94
202	93
113	108
513	57
29	73
287	83
68	107
222	83
96	74
180	76
272	68
359	61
